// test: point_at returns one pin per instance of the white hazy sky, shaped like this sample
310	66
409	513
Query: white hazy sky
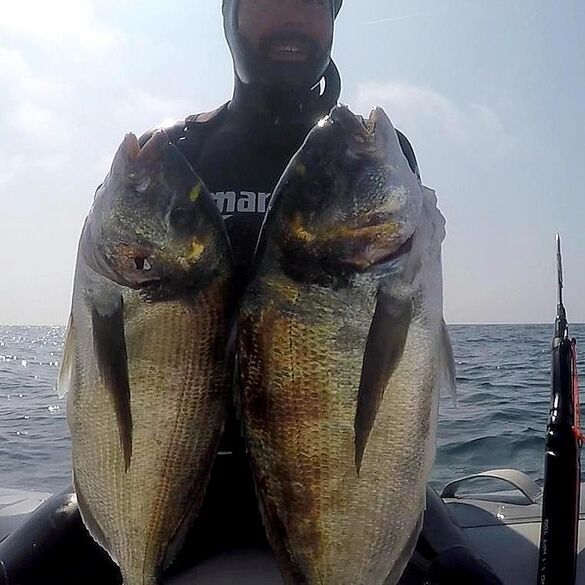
490	93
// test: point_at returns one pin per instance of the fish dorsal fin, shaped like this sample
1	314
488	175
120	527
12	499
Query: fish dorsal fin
67	370
384	348
109	343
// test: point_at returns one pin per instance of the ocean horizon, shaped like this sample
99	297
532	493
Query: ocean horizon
503	380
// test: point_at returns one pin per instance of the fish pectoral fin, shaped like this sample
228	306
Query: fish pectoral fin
383	352
109	343
447	373
67	370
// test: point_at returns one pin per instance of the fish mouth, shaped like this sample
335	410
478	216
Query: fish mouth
126	264
366	133
142	264
371	255
358	246
351	123
373	123
139	265
133	264
369	123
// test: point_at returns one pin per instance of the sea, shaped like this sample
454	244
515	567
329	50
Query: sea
498	421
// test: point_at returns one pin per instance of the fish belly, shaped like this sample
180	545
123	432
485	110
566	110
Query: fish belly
301	353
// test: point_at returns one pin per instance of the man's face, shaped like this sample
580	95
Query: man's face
287	31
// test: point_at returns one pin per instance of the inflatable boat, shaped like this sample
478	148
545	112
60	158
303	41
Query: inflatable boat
499	512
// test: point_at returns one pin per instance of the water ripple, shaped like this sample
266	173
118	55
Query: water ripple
503	396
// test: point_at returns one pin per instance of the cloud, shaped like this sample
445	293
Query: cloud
398	18
52	163
32	115
13	166
160	110
36	123
103	163
10	167
32	128
17	78
423	111
62	106
57	21
138	110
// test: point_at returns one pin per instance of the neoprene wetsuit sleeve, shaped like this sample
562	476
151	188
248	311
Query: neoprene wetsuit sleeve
451	560
53	546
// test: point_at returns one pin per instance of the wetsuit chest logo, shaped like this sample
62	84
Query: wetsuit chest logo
231	202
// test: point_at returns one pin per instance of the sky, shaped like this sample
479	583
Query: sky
490	94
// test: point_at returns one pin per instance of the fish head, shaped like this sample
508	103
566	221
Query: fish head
153	224
348	200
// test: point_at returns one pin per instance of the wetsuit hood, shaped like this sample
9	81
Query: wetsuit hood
252	68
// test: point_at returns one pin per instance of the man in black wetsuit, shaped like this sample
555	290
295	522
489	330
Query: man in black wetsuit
285	81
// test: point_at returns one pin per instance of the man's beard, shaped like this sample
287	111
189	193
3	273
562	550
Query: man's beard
293	58
308	46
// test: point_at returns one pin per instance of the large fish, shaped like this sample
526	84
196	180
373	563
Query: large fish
342	351
146	355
